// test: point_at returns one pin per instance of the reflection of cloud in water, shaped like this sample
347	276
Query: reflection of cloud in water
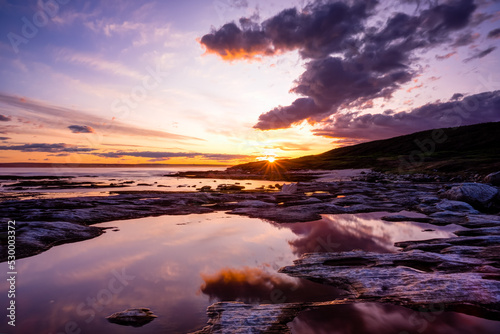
346	232
254	285
375	318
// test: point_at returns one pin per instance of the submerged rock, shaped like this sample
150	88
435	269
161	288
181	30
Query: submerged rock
135	317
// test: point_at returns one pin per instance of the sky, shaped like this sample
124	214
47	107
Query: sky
233	81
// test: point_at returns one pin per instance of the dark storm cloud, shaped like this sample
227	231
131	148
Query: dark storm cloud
317	31
230	42
46	148
321	29
4	118
81	129
495	33
480	54
479	108
282	117
331	83
350	64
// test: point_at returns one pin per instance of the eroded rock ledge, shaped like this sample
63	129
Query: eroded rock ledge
460	274
234	317
69	217
412	279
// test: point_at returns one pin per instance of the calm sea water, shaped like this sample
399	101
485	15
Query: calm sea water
178	265
142	178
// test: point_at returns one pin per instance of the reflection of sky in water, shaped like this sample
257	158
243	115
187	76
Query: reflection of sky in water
376	318
178	265
365	231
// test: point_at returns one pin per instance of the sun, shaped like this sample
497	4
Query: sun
270	159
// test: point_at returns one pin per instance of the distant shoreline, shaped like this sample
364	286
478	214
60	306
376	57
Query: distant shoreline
89	165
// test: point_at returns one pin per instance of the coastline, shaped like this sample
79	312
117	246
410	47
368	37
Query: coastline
44	223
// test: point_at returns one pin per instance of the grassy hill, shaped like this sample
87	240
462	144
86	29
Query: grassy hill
473	148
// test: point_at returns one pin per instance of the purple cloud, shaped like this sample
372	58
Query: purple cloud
81	129
60	147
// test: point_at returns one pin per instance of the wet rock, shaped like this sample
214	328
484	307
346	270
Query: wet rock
288	189
414	278
254	204
455	206
135	317
34	237
239	318
475	221
310	200
493	178
403	218
435	245
205	188
478	195
229	187
351	197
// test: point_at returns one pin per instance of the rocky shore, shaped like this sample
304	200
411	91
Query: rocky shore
461	273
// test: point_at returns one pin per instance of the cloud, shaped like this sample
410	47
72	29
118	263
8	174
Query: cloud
282	117
350	61
5	138
289	146
238	3
4	118
495	33
167	155
60	147
465	39
81	129
96	63
332	83
446	56
473	109
52	115
317	31
481	54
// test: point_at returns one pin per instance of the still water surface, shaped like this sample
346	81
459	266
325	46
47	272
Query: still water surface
178	265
